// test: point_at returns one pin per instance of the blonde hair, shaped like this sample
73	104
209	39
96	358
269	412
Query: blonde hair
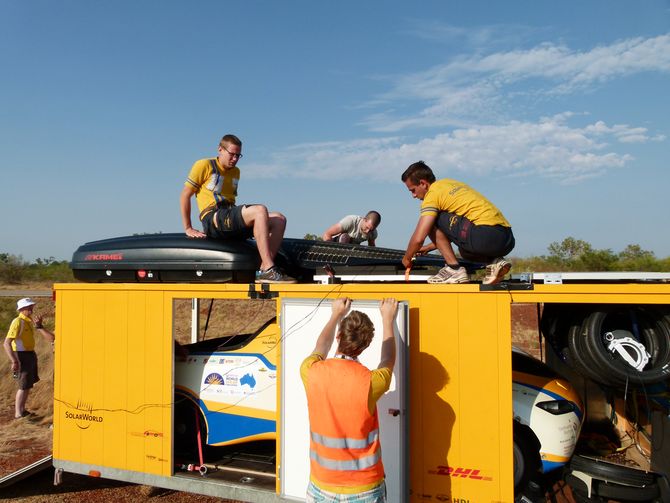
230	139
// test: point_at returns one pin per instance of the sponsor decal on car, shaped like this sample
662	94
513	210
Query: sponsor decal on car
214	378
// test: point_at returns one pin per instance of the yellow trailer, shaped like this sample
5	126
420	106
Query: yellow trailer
115	392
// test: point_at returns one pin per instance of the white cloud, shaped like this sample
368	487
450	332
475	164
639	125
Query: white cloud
455	106
549	148
481	85
476	36
467	102
624	133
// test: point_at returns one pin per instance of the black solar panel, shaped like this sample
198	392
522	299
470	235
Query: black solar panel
316	254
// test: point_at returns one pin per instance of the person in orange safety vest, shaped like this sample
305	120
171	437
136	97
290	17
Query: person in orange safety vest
345	451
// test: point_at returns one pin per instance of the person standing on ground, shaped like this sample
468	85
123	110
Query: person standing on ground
20	348
453	212
345	451
214	183
355	229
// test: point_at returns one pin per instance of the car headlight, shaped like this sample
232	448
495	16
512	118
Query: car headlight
556	407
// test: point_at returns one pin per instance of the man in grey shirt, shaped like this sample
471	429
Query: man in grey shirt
355	229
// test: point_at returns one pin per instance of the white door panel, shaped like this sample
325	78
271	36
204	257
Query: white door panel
301	323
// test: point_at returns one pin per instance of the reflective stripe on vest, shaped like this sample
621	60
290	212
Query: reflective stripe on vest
346	443
351	464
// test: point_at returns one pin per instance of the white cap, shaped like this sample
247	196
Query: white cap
22	303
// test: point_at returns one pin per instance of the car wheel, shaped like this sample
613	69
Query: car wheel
526	456
640	342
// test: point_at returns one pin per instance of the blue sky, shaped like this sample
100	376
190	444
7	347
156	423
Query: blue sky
558	112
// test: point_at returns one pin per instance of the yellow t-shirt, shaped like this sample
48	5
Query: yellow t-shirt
456	197
213	184
380	381
22	333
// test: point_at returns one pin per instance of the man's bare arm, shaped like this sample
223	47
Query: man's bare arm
333	230
13	357
46	333
185	208
388	307
422	230
325	341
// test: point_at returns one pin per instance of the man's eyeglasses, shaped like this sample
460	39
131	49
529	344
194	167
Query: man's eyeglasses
239	156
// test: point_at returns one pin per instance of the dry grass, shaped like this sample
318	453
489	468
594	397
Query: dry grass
222	317
27	439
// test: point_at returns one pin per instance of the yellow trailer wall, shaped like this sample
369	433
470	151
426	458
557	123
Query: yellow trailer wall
460	397
114	384
113	380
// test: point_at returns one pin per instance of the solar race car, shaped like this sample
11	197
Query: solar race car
548	415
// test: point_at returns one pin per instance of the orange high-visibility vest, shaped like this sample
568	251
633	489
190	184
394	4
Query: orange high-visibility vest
344	436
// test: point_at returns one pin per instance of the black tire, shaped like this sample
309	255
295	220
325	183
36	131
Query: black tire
583	498
612	472
556	322
527	461
627	493
580	489
576	484
578	359
646	326
605	491
185	430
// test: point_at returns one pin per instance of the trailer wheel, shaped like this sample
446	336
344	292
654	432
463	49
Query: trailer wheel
527	462
629	344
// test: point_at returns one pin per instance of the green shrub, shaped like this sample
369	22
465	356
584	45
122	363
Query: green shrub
12	269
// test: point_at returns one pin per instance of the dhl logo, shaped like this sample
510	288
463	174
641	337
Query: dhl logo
460	472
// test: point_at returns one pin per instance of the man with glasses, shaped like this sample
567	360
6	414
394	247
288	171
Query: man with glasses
214	183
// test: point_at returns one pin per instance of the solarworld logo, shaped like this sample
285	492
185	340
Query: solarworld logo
83	416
